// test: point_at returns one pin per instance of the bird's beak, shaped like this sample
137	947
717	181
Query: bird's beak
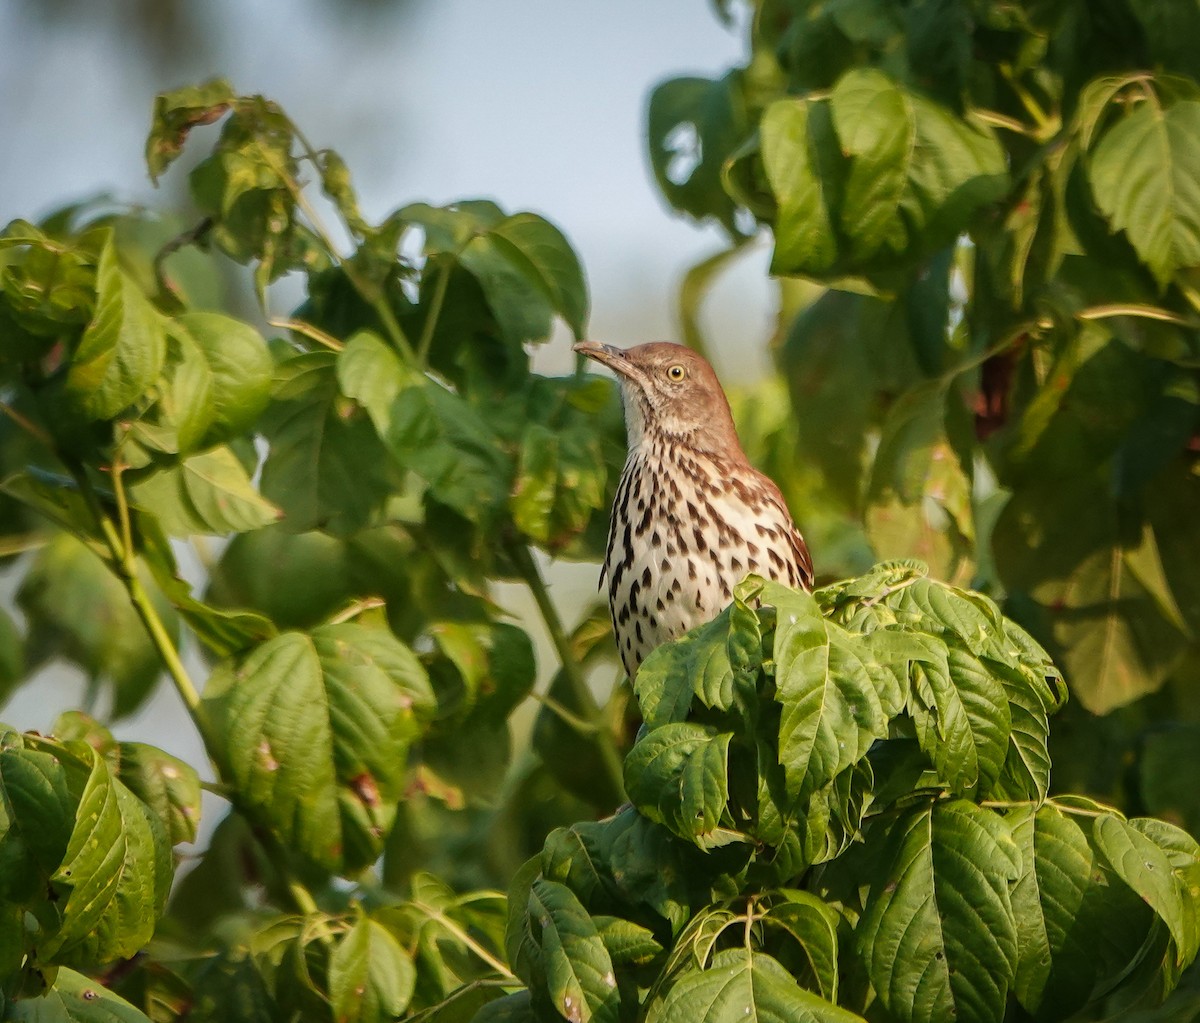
607	355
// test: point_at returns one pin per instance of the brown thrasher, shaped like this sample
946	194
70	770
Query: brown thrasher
691	516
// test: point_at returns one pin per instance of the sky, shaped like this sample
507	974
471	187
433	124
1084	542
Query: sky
538	104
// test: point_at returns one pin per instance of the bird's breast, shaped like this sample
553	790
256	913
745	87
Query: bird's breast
684	531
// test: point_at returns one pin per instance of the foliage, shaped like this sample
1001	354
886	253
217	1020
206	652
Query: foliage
1001	198
839	804
992	361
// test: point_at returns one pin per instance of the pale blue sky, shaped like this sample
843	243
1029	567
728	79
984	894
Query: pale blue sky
537	103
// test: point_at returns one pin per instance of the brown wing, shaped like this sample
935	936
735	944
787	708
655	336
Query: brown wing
797	552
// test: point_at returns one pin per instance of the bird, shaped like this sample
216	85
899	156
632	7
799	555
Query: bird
691	516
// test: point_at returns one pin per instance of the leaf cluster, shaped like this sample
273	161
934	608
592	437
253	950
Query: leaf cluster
998	202
839	810
369	464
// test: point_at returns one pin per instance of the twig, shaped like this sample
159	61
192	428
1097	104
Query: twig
435	312
436	915
589	710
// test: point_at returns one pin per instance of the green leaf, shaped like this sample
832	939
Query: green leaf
1077	924
937	931
801	159
208	492
1142	865
831	712
113	881
166	784
122	349
296	579
813	924
53	496
370	976
428	428
229	986
750	985
176	113
1143	172
314	733
1025	773
677	775
695	664
693	125
78	609
184	402
37	815
1169	774
627	943
240	368
528	270
919	499
578	971
877	128
224	632
74	998
1117	642
326	467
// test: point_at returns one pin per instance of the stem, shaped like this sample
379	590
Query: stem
999	120
435	311
188	237
306	330
436	915
589	710
124	564
557	709
369	294
28	425
1148	312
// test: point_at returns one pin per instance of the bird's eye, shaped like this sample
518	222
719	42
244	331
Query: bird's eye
676	372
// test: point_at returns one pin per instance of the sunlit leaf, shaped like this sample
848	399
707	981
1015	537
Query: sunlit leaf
938	932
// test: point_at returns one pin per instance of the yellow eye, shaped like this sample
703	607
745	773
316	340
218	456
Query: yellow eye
676	372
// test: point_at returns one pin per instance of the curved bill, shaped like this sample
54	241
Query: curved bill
607	355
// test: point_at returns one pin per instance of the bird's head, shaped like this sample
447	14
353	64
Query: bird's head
670	390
